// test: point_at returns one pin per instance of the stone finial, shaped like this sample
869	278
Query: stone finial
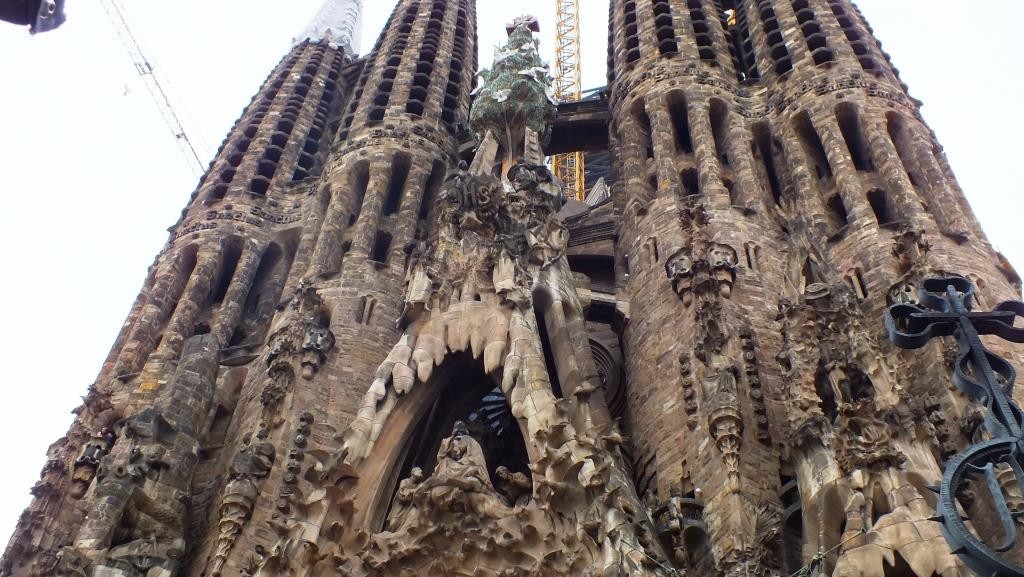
338	22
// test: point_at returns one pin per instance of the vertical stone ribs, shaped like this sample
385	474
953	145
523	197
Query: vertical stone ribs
396	51
807	159
421	80
631	35
782	60
664	27
453	88
741	47
860	47
814	37
702	34
236	145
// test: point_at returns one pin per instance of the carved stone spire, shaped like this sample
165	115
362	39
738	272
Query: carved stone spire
339	22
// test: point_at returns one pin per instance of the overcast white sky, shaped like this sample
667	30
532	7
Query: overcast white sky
91	177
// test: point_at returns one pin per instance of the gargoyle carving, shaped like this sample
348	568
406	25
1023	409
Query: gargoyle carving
89	461
712	270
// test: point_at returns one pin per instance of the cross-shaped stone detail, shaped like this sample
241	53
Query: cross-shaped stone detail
986	378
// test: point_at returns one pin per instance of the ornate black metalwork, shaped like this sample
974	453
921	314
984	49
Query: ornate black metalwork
987	379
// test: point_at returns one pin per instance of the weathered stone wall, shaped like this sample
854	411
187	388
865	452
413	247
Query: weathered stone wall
786	136
775	189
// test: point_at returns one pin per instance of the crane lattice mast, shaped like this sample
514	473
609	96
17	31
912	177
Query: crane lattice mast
568	87
142	65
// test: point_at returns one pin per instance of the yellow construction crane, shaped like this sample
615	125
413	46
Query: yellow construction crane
568	87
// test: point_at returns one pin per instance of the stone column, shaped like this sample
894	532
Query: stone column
170	282
305	253
805	179
194	299
845	173
404	230
943	202
234	300
369	217
663	144
790	29
129	326
326	258
887	162
633	158
708	167
738	142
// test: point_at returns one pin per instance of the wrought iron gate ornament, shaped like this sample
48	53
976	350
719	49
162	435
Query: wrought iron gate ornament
986	378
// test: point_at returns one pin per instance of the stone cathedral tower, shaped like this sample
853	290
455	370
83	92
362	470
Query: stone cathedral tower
381	342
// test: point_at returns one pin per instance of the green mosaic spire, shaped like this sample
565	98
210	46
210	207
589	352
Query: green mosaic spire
516	93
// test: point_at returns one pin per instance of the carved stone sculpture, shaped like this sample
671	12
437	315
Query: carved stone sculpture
89	461
248	468
711	269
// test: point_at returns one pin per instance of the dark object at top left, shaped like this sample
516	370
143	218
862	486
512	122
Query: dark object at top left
39	15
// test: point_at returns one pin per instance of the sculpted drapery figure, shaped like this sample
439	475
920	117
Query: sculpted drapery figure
459	485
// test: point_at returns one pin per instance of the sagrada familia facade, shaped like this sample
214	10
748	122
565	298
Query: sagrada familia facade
380	340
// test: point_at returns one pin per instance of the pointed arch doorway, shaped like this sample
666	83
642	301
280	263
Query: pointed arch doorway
459	390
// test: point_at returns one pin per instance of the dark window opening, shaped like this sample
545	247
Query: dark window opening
259	186
364	313
879	201
237	337
229	263
734	199
792	524
764	149
879	505
359	180
644	124
434	182
753	252
680	122
810	275
691	182
900	137
599	269
396	185
849	125
812	145
665	27
826	396
381	247
837	211
258	301
549	354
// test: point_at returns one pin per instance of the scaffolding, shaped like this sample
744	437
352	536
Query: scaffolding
568	167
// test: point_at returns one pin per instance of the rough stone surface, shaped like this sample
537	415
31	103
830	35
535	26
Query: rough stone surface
378	344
